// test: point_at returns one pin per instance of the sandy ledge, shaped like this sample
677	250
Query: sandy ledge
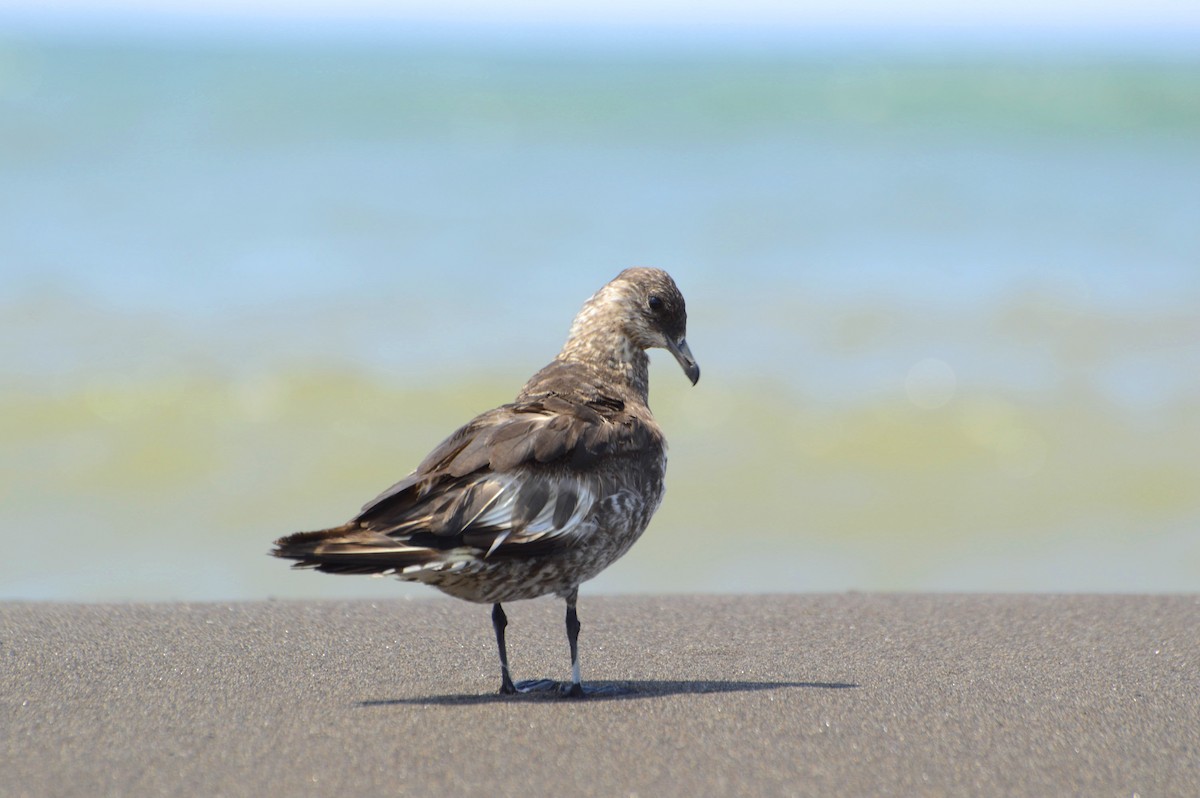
856	694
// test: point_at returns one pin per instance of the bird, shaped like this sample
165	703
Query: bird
538	495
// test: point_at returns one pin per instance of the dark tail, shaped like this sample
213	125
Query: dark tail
350	549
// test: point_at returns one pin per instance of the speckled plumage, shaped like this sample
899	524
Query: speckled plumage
541	494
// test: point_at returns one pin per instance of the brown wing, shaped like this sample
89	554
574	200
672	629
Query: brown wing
519	480
541	439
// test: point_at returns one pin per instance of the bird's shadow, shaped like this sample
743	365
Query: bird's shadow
612	691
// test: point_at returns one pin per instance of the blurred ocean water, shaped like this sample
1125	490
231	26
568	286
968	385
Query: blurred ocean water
947	304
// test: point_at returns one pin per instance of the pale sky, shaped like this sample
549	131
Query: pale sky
1171	16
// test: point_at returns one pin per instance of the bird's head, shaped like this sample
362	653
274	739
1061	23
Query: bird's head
655	314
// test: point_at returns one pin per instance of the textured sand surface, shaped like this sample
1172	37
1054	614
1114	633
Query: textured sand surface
854	694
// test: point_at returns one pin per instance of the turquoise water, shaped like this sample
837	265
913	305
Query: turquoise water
945	303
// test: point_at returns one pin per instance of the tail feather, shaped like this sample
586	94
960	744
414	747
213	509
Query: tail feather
350	549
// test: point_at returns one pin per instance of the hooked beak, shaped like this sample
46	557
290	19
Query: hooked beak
686	362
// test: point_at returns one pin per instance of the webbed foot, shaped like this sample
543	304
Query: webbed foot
567	689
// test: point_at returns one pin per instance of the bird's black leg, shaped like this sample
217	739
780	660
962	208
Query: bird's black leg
572	689
576	689
499	621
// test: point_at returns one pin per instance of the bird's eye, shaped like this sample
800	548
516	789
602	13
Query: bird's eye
655	302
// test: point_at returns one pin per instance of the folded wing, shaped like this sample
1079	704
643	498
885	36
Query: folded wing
522	480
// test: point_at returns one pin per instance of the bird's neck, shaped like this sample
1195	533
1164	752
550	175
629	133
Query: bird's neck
609	354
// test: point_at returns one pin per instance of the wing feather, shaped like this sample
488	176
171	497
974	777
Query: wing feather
521	479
